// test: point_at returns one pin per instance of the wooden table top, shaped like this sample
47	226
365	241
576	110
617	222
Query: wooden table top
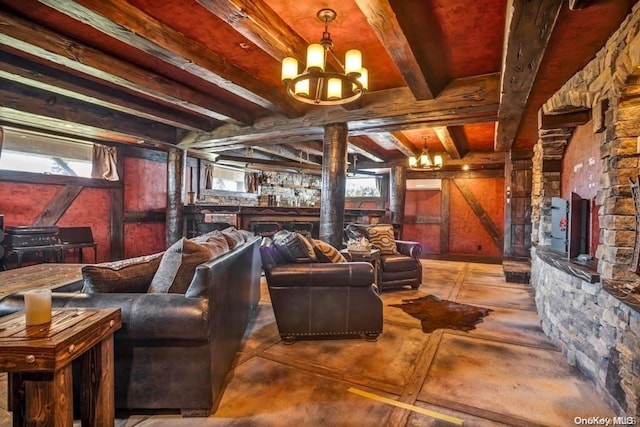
46	347
48	275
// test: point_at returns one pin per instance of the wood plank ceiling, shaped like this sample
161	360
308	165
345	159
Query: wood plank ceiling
464	78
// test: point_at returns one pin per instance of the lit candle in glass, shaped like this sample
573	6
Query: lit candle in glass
37	306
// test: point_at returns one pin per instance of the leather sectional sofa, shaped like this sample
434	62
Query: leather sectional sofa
177	344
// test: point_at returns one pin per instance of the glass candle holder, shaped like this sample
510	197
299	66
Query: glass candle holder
37	306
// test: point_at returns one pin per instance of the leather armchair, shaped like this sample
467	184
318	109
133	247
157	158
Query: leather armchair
394	270
329	300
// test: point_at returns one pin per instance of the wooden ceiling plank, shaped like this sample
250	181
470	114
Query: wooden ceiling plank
465	100
123	21
529	27
259	23
46	104
30	73
453	140
39	42
382	16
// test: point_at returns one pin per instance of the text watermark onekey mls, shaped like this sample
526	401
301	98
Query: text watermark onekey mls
605	421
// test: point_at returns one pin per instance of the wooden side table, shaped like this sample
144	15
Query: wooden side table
372	257
38	359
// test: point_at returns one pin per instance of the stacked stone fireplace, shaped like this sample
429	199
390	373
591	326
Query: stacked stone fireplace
595	316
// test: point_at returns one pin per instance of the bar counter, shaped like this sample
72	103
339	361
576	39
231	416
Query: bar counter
242	216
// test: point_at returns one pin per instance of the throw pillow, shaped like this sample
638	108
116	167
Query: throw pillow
234	238
292	248
382	237
327	253
128	275
178	266
217	244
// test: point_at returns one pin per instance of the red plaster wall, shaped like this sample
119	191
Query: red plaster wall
581	165
467	235
581	170
143	239
423	203
22	204
145	189
145	185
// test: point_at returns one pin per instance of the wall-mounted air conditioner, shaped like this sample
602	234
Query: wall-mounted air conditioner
424	184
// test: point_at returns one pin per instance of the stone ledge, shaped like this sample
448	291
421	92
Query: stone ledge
629	295
584	271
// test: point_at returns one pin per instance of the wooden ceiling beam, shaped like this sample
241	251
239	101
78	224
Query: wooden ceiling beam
223	158
529	27
417	52
27	72
453	140
468	100
259	23
363	145
389	141
34	101
473	159
123	21
564	120
39	42
313	148
284	153
404	145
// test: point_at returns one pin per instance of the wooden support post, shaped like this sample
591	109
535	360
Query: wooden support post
334	180
445	217
397	193
117	212
176	165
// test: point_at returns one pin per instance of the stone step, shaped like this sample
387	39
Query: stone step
517	271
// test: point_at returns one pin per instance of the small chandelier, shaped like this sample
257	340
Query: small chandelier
424	160
319	87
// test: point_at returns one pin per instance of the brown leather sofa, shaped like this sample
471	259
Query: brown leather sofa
400	265
313	299
174	350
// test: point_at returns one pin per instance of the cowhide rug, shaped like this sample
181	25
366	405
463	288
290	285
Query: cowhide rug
435	313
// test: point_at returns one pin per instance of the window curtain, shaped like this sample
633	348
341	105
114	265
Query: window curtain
104	163
251	182
379	186
208	176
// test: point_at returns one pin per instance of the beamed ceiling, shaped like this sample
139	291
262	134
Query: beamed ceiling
466	77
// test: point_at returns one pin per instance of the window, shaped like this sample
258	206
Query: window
33	152
363	187
224	178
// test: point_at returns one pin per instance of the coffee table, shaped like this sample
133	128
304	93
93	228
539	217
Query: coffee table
38	359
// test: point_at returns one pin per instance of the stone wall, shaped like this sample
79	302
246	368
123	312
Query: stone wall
597	333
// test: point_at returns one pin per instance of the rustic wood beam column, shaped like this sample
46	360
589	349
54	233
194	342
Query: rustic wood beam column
176	166
546	175
397	193
334	180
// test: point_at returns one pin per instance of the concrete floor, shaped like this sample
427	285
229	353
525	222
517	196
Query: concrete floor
505	372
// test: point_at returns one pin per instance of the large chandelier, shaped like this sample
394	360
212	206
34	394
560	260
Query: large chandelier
319	87
425	160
